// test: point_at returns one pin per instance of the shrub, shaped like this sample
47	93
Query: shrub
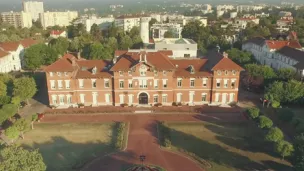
179	104
265	122
283	148
120	135
275	104
165	138
274	135
174	104
253	112
5	100
286	115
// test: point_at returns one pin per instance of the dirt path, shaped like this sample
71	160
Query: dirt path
142	140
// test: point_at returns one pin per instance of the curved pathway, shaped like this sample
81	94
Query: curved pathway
143	140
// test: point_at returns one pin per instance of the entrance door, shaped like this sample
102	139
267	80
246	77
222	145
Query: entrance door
224	98
143	98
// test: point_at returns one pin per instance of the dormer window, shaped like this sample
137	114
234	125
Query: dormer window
233	72
191	69
94	70
226	72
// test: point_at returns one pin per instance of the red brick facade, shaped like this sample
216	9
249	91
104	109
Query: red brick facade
142	78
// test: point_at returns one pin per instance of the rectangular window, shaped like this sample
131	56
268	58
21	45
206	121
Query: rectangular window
107	96
225	83
130	83
186	55
61	99
120	73
106	83
129	73
218	83
164	99
69	99
155	83
82	98
59	73
52	84
51	74
60	84
143	84
155	99
165	84
142	73
121	84
94	83
54	99
192	82
204	97
130	98
232	83
155	73
65	74
67	84
179	82
205	82
121	99
164	73
80	83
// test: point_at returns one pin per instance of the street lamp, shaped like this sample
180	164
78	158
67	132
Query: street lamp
142	159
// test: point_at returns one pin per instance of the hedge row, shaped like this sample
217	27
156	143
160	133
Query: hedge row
165	137
121	128
273	134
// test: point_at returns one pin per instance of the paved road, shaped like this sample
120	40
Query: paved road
143	139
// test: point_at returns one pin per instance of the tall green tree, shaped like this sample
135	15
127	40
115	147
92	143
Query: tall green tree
96	32
125	42
14	158
11	132
3	89
286	74
298	157
240	57
97	51
22	125
284	148
135	31
25	88
137	42
274	135
75	45
4	38
111	45
34	56
7	111
59	45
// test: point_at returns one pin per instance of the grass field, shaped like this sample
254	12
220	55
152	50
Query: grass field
67	146
226	146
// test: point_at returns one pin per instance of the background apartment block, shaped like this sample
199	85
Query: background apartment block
48	19
17	19
34	8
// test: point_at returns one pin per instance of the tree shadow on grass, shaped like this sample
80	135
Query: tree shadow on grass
60	154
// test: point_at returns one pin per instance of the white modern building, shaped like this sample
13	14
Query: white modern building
181	48
102	22
242	22
17	19
48	19
158	30
248	8
224	8
144	29
183	20
127	22
34	8
264	50
285	14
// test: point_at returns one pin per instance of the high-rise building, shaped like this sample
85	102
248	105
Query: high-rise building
48	19
34	8
17	19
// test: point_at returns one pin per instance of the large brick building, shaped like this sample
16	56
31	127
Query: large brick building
143	78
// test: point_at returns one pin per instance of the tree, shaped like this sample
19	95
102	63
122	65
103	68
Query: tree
24	88
253	112
239	56
96	51
14	158
75	45
7	111
274	135
96	32
265	122
293	91
298	157
60	45
169	34
34	56
283	148
135	31
151	22
286	115
15	37
22	125
286	74
16	101
137	42
12	132
111	45
4	38
50	56
5	100
125	43
3	89
276	90
275	104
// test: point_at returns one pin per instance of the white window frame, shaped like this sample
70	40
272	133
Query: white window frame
54	99
65	73
204	94
92	82
155	98
67	84
53	84
155	73
233	72
130	73
59	74
165	73
51	74
82	98
218	81
165	83
61	99
155	83
121	99
81	83
131	99
233	81
225	83
179	82
192	80
69	99
107	98
164	98
130	84
121	84
120	73
205	82
59	82
219	72
106	81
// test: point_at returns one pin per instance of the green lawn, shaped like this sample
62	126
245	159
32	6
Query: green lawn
64	146
226	146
